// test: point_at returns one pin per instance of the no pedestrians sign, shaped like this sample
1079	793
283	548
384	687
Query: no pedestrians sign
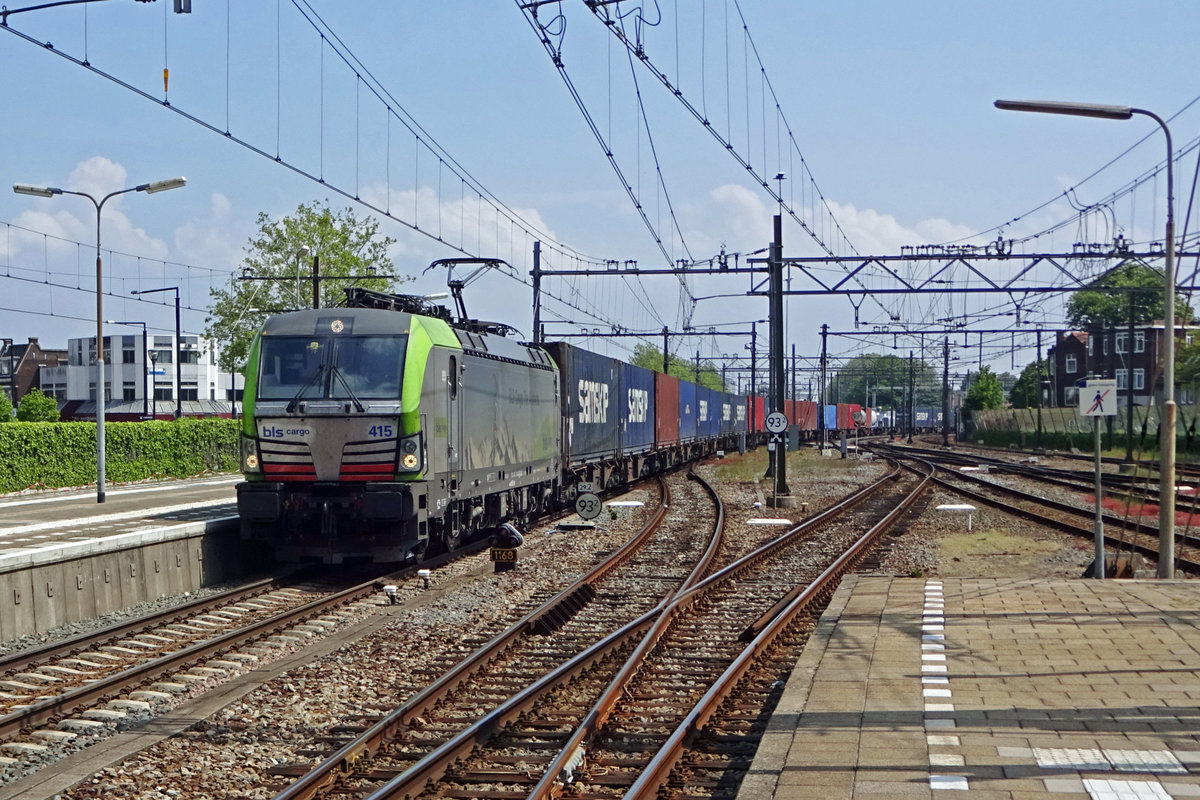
1098	398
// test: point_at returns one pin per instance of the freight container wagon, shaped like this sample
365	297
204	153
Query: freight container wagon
806	415
666	410
590	403
637	405
688	416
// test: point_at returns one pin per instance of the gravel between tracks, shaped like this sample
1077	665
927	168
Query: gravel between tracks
226	753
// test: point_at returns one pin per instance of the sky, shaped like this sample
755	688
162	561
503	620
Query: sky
896	144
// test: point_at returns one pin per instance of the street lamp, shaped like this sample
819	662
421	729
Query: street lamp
50	191
1166	466
12	374
178	347
145	355
154	393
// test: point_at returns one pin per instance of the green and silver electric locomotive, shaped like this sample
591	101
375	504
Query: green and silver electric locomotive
383	432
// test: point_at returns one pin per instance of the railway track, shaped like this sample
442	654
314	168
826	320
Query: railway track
1136	535
483	688
593	726
75	691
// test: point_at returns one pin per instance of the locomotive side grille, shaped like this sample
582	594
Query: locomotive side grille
373	460
285	461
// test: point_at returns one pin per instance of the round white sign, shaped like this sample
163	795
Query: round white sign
776	422
588	506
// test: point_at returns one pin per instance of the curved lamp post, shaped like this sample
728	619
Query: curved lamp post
50	191
1166	465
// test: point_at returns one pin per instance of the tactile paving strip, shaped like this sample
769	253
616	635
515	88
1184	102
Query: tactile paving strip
1120	760
1103	789
1070	758
1144	761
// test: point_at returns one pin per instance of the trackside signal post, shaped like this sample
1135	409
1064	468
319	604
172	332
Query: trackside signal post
1098	398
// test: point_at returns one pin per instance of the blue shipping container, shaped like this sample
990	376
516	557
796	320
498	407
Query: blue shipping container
637	409
728	416
687	411
830	418
590	401
708	412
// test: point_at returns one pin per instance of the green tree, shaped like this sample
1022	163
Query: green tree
6	409
1187	363
1024	393
349	248
649	357
985	391
1098	306
37	407
881	381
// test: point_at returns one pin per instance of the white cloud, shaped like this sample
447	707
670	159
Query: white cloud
214	240
73	219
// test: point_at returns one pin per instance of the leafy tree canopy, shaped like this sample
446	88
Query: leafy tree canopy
1097	306
1187	362
1024	393
881	381
37	407
349	248
649	357
985	391
6	409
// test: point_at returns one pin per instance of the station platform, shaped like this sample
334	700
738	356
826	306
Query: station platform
35	524
65	558
994	689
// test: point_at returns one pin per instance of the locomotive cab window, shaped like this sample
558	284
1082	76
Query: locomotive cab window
342	367
368	367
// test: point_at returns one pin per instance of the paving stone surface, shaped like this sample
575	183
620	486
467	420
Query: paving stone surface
1035	688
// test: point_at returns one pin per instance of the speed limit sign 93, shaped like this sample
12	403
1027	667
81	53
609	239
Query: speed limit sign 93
588	506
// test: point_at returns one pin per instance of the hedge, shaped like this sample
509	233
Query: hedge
52	454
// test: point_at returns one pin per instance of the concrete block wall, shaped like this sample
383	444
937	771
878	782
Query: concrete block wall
57	586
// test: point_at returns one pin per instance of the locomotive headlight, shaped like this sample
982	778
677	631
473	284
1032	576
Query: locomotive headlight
249	449
410	453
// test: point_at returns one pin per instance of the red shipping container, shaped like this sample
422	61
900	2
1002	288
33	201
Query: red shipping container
844	421
806	415
758	413
666	410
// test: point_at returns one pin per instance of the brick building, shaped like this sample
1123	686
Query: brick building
21	367
1131	358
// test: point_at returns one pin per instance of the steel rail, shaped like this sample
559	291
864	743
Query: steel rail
549	616
25	659
53	709
560	770
434	765
656	774
1192	565
572	750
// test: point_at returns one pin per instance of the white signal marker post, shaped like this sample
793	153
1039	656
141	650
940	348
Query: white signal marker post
1098	398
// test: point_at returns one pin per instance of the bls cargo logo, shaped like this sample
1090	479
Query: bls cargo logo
639	405
593	402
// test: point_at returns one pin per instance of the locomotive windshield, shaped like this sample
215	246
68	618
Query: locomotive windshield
331	367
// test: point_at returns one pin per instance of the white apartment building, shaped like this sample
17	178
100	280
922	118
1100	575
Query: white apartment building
143	377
